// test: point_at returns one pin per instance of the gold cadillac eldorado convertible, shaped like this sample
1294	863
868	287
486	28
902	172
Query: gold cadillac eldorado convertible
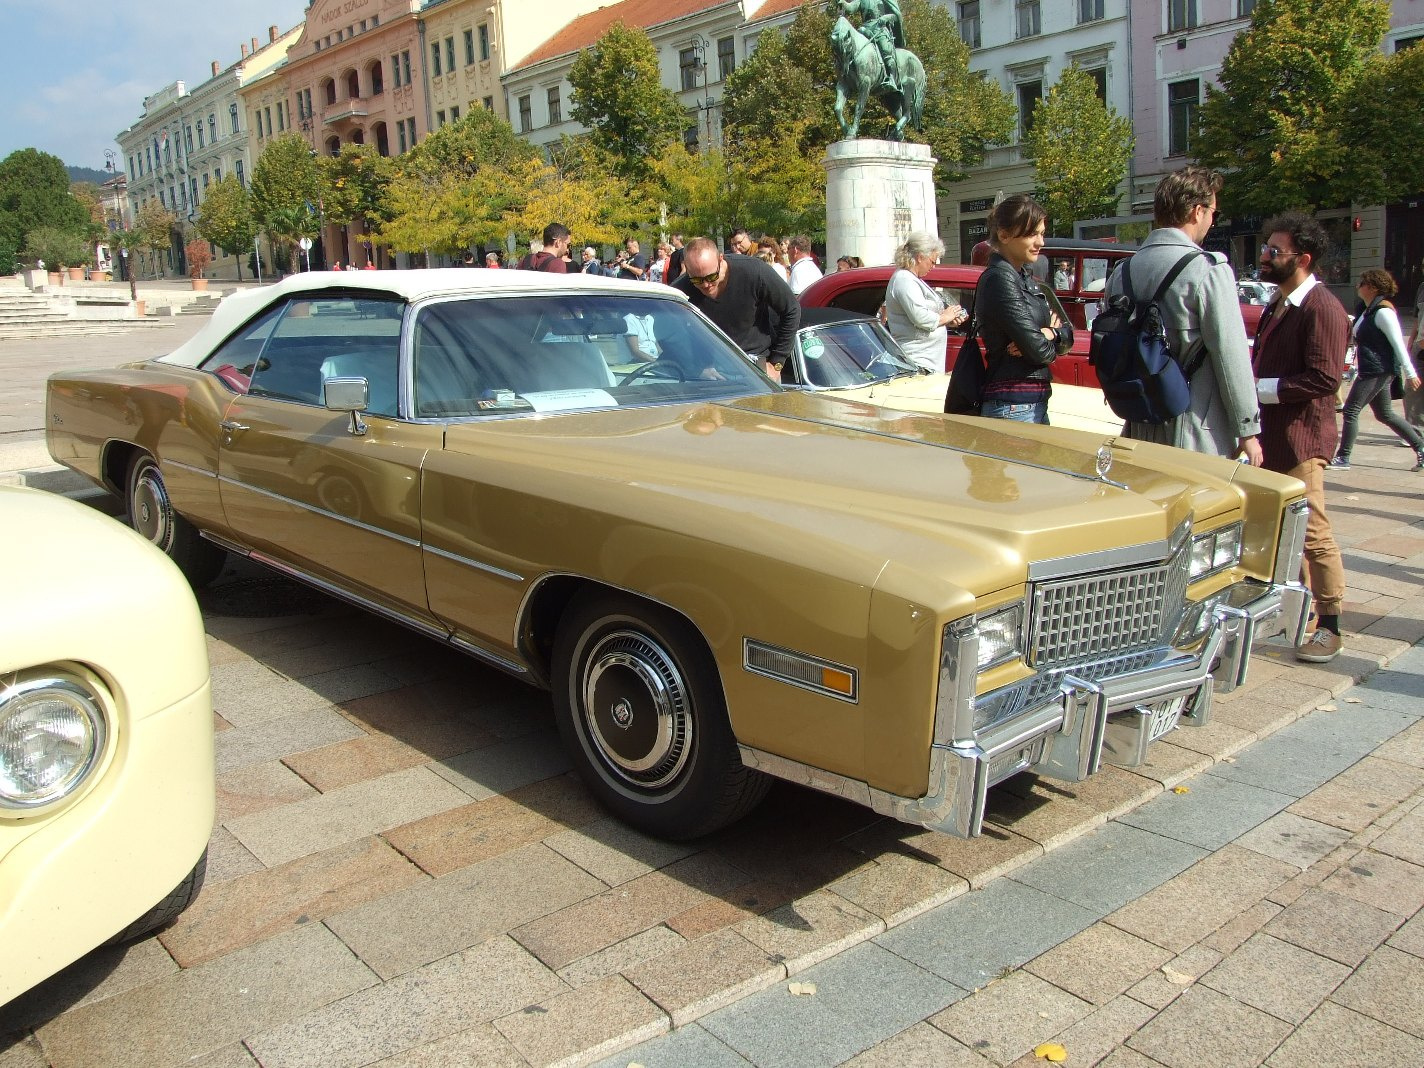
718	579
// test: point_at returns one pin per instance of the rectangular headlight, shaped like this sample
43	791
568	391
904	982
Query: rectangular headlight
1000	636
1215	551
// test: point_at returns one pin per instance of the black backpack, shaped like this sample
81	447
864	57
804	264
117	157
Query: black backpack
1142	382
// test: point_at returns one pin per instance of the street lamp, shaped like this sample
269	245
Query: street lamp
706	105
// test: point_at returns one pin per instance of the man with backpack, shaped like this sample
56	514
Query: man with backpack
1201	318
551	259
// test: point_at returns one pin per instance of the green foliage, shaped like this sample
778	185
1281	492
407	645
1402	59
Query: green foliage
1382	113
34	192
1081	151
1275	121
618	94
770	94
225	216
480	139
284	179
354	185
153	233
57	247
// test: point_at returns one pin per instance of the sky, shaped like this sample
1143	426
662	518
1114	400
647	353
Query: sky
76	73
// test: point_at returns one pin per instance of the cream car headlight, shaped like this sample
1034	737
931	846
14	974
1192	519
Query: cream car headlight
1215	551
52	734
1000	636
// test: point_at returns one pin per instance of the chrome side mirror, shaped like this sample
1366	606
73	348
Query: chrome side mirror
348	395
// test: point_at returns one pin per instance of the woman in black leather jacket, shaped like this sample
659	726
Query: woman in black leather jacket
1021	333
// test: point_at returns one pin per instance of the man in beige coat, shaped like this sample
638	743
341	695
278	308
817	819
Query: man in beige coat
1224	418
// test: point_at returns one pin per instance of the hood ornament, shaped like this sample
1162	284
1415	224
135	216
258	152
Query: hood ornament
1104	462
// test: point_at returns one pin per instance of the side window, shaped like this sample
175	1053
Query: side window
332	336
963	297
866	300
237	358
1063	272
1095	273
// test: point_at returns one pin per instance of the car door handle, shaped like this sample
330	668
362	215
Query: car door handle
230	425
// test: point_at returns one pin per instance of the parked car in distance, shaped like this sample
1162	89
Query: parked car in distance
719	579
106	737
853	357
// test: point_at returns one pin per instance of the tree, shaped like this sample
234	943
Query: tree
34	192
284	178
153	232
1282	83
1081	150
770	94
354	186
1384	111
619	95
286	226
479	139
225	218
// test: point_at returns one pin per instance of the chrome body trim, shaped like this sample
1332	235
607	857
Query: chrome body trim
805	775
187	467
1291	545
1150	552
954	699
304	506
467	562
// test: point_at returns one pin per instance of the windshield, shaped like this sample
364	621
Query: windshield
557	352
857	353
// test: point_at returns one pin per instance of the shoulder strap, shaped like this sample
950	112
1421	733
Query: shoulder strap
1171	276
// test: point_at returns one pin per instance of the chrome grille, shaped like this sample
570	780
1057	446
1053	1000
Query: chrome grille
1086	616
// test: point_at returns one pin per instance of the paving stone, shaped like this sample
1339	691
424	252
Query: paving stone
1390	987
862	997
652	944
1410	937
1216	739
349	682
1405	840
896	887
103	973
1127	1058
1397	687
1171	764
588	1023
1103	1030
481	1045
277	835
810	929
276	738
1270	707
731	907
1381	881
1289	891
334	766
921	1046
227	858
250	694
438	1000
207	1007
1191	906
247	910
430	920
1109	867
234	1055
1098	964
613	852
1334	926
481	830
705	975
1337	1037
256	787
1406	747
1042	814
1203	1027
687	1047
1213	811
499	768
1293	839
1110	792
444	718
598	920
1009	1017
1277	977
975	938
1233	933
1359	794
978	861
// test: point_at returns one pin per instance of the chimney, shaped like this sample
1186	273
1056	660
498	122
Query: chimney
244	50
215	68
271	34
254	46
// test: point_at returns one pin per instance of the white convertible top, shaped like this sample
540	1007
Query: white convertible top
238	307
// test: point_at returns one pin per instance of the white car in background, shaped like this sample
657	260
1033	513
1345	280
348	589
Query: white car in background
106	737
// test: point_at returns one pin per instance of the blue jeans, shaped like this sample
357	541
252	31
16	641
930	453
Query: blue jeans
1033	412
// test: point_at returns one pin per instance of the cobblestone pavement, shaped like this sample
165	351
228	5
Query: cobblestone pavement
404	871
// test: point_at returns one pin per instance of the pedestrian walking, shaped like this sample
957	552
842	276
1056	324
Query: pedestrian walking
551	257
1200	312
1299	359
1381	360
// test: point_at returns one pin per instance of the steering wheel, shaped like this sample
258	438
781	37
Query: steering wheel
662	367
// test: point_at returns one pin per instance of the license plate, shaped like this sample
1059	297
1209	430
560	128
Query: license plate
1165	717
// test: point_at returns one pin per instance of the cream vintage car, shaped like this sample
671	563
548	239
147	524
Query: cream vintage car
717	578
106	737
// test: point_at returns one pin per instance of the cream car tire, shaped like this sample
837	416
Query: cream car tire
151	513
640	708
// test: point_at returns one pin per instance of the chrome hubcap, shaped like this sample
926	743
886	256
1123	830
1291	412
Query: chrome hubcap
151	512
636	709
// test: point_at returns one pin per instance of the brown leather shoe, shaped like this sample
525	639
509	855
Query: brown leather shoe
1320	648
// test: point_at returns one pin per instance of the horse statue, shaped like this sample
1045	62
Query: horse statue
859	70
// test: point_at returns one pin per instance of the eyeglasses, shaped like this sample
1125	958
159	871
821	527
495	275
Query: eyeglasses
706	279
1275	252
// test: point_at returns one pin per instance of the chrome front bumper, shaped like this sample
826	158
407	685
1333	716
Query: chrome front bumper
1106	712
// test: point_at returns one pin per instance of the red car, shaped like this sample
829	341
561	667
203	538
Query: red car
1073	272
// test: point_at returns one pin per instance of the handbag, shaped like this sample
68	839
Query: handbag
965	394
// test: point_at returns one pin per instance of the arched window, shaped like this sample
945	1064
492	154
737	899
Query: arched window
374	71
328	90
333	146
353	85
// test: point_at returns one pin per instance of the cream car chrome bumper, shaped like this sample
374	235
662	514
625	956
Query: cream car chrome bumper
1109	712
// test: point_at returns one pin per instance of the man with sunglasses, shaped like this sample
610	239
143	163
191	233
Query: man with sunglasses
1300	358
1205	331
745	298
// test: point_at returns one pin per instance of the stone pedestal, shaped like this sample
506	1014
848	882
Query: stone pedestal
876	193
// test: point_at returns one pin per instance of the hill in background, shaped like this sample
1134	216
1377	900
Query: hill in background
88	174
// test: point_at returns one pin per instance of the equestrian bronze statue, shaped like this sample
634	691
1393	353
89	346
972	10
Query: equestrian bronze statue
874	59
